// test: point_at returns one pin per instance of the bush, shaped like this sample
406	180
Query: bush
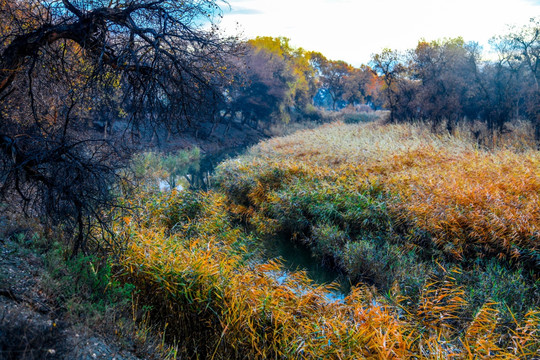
153	168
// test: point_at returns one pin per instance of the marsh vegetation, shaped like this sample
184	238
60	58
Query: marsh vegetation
414	180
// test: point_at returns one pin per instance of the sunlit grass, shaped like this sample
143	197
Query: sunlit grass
395	204
408	212
470	202
204	285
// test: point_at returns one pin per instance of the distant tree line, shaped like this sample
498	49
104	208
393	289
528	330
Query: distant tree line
440	82
276	82
447	81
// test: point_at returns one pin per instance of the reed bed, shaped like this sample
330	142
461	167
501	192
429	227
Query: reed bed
469	201
438	234
390	204
199	275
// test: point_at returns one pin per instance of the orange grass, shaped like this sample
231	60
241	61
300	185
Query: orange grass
196	271
471	202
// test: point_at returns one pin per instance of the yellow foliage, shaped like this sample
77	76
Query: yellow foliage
199	273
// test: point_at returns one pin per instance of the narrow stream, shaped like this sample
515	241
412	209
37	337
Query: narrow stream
294	255
297	256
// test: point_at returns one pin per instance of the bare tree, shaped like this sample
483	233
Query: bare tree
389	66
161	59
445	71
520	49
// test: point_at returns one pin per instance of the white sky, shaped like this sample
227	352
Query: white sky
352	30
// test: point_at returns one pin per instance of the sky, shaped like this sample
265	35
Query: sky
352	30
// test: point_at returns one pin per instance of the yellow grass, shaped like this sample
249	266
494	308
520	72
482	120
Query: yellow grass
219	302
471	201
199	272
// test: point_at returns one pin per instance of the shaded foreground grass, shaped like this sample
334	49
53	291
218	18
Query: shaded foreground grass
444	230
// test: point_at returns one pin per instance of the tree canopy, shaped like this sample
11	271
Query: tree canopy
446	81
154	63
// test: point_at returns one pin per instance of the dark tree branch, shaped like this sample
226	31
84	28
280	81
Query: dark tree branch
72	8
149	61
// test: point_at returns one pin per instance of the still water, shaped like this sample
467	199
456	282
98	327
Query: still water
297	256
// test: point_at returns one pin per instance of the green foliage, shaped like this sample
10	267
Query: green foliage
327	239
152	168
183	208
360	117
490	280
85	284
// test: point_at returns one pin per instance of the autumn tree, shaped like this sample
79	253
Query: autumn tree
390	67
332	76
277	81
61	58
362	86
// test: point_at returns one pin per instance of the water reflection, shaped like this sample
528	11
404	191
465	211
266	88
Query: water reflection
198	175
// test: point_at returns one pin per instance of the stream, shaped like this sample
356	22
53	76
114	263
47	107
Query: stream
294	255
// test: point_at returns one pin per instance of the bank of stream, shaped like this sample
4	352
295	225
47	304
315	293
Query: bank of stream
293	254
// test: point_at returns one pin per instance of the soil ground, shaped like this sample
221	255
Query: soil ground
33	326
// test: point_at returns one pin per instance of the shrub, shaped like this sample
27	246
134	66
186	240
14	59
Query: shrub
154	168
